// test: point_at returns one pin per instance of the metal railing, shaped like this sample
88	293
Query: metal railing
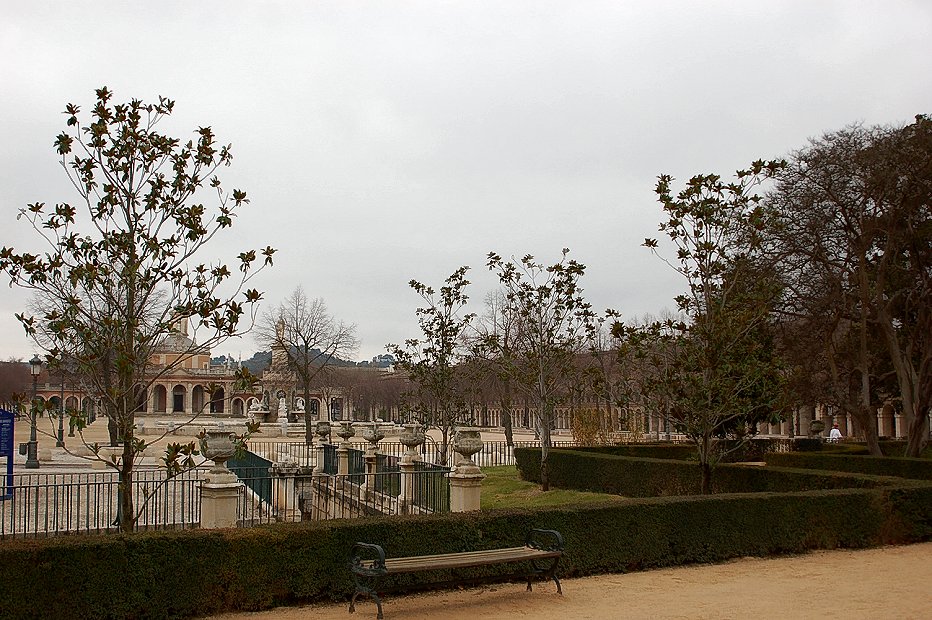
341	497
493	454
59	503
278	451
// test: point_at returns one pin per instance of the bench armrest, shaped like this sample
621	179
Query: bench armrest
365	552
544	540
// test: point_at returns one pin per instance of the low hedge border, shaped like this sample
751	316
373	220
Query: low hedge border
752	450
644	477
196	573
918	469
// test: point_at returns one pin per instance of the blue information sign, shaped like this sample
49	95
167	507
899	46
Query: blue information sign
6	449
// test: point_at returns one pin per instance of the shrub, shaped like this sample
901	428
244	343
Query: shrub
643	477
196	573
919	469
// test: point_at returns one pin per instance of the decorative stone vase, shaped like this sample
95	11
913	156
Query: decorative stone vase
467	442
323	430
346	432
816	427
411	437
218	446
373	435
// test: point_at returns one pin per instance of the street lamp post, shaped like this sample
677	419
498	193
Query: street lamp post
32	448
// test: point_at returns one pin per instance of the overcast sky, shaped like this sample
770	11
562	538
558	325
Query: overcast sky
385	141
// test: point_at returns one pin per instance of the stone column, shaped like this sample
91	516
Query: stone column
898	425
373	435
466	478
806	415
345	433
411	438
284	478
323	430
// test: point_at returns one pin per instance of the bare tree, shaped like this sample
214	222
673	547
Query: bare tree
309	338
501	326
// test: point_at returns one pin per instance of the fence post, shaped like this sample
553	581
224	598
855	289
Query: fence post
466	478
284	493
411	438
219	497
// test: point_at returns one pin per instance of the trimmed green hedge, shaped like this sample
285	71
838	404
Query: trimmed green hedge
643	477
918	469
196	573
679	451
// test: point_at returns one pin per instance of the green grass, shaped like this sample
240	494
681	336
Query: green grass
504	489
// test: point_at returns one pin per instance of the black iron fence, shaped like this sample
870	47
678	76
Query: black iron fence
58	503
342	497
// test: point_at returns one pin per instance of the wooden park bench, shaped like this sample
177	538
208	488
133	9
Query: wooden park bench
541	554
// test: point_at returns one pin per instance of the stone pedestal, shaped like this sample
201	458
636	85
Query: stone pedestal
285	494
406	497
465	489
342	461
466	479
218	502
371	465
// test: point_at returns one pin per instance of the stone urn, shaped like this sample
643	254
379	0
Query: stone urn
323	430
373	435
466	443
816	427
218	446
346	432
411	437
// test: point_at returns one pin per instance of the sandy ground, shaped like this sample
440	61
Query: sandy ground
885	583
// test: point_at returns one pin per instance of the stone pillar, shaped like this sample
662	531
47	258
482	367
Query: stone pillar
342	460
371	463
406	497
323	431
887	421
411	438
345	433
219	499
806	415
221	488
466	478
284	492
898	425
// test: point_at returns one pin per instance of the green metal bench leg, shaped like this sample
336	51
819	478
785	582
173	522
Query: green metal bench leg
371	595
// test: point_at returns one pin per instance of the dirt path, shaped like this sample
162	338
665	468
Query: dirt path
890	582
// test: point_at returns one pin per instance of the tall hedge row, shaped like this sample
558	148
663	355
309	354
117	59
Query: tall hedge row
644	477
919	469
195	573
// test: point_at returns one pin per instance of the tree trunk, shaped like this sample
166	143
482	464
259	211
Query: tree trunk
544	415
706	478
867	418
917	436
705	464
506	415
125	495
112	430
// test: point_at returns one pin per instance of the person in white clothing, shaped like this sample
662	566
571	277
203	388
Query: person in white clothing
835	435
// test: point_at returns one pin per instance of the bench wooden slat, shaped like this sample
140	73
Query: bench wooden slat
464	559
